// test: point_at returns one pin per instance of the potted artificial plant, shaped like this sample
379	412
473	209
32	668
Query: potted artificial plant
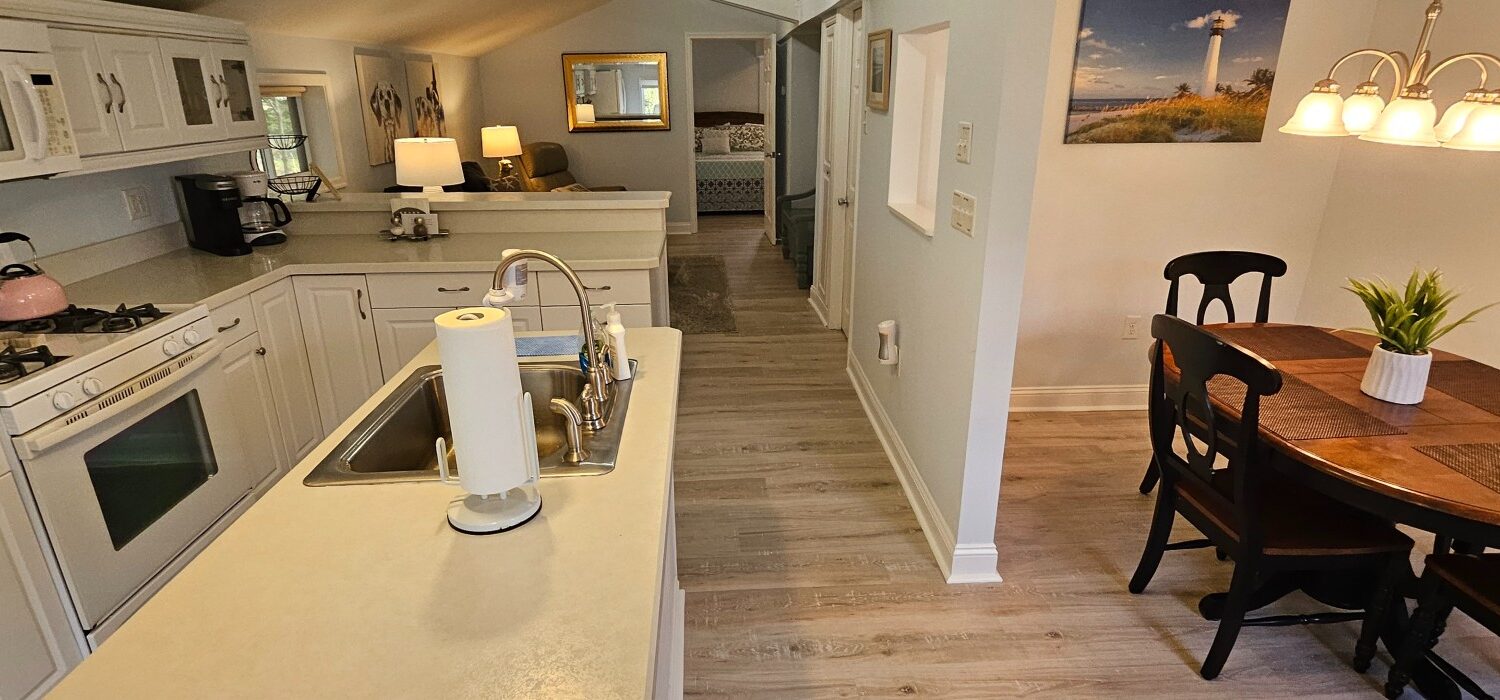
1407	321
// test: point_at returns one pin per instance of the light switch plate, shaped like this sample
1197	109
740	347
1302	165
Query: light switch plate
137	203
965	142
964	208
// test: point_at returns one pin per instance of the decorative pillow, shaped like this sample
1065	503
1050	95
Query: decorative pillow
575	187
698	138
747	137
716	142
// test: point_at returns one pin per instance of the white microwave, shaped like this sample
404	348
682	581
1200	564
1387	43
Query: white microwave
36	138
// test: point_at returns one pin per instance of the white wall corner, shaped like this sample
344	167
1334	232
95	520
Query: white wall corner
967	562
1041	399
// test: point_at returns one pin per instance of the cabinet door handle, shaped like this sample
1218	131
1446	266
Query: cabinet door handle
260	351
605	288
359	302
447	290
231	326
109	95
116	81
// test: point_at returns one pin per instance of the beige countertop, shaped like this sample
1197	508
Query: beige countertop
490	201
365	591
188	276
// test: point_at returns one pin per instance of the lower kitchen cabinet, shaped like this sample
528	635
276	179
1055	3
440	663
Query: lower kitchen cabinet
255	411
567	318
36	646
340	343
276	318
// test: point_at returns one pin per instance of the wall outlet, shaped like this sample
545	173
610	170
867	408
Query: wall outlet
965	141
137	202
1131	330
964	207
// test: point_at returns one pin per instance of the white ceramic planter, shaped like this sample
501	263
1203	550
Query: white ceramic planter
1397	378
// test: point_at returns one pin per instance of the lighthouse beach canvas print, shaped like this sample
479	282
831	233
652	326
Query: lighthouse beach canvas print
1174	71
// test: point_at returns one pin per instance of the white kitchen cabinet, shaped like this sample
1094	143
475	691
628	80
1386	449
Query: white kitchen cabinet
565	318
341	347
211	92
287	367
134	72
401	334
36	646
87	92
249	379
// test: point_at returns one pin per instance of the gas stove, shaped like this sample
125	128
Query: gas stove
85	320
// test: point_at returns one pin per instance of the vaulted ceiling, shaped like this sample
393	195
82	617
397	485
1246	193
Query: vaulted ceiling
461	27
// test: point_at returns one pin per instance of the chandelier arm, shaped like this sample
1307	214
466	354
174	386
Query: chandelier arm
1479	59
1397	60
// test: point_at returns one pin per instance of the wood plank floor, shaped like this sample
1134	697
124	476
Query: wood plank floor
807	576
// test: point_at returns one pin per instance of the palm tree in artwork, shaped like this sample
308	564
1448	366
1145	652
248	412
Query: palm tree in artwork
1261	81
1183	90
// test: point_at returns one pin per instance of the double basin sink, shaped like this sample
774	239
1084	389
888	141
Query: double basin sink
396	442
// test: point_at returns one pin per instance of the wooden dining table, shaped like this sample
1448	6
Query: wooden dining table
1412	465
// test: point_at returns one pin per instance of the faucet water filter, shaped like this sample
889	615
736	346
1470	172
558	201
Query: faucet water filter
513	283
494	435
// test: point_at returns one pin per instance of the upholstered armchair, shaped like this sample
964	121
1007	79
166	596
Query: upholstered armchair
544	168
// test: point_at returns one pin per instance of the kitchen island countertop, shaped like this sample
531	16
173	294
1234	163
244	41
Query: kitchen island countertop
365	591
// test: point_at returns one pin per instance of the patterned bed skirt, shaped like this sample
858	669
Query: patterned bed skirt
731	184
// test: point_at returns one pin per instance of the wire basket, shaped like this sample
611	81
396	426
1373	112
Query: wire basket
286	142
296	185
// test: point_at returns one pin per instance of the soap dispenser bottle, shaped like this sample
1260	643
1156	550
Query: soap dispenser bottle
619	358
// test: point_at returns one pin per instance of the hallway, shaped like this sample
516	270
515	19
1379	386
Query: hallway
807	576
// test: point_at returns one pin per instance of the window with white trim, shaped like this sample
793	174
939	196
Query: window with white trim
286	154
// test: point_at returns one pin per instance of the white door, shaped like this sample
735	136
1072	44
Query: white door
768	108
249	382
87	92
844	277
402	333
287	367
197	96
839	117
341	347
241	96
36	645
134	70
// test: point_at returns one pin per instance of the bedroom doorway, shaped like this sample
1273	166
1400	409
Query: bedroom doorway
732	94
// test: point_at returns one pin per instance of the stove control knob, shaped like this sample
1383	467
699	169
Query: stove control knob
191	337
171	347
62	401
92	386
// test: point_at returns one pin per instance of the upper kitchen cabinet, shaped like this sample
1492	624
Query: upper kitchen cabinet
213	94
145	86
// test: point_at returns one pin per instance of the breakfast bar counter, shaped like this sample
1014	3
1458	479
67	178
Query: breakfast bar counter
365	591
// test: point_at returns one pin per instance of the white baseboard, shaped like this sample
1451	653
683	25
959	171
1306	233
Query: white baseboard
966	563
819	306
676	228
1124	397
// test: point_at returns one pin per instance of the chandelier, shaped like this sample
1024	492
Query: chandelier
1410	119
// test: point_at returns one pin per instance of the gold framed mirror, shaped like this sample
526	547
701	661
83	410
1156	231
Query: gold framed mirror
616	91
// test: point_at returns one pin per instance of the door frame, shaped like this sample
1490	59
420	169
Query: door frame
768	68
841	118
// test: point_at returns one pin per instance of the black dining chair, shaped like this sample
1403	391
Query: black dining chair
1470	583
1216	270
1223	485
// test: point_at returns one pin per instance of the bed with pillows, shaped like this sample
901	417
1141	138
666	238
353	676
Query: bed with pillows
731	152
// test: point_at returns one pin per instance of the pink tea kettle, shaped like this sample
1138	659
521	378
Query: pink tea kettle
25	291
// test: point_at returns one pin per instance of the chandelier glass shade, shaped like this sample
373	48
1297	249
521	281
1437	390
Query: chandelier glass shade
1411	116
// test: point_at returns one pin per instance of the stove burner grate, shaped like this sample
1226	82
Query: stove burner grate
76	319
13	362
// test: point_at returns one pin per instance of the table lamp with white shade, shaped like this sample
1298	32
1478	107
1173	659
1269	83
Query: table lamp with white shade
501	142
429	163
584	114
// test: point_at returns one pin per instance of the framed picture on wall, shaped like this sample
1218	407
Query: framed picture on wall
1174	71
878	70
382	92
426	102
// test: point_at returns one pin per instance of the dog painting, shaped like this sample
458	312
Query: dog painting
426	105
382	84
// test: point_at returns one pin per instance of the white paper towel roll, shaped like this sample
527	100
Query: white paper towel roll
493	439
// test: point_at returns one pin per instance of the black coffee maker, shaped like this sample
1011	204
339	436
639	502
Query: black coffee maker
210	206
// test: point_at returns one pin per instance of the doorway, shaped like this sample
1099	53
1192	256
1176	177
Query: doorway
841	123
732	95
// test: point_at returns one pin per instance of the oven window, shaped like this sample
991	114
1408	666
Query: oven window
150	467
6	144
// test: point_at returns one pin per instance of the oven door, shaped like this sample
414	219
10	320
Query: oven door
129	480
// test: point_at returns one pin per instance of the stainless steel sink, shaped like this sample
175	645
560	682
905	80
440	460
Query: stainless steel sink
395	442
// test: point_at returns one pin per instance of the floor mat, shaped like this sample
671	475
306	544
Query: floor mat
698	287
